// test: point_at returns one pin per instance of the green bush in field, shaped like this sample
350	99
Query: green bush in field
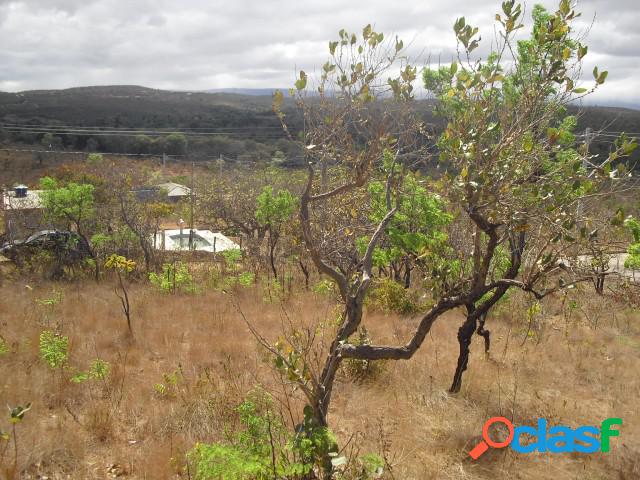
246	279
633	261
389	296
54	349
263	448
175	277
98	370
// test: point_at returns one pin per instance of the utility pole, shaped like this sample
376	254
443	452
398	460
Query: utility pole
191	232
587	140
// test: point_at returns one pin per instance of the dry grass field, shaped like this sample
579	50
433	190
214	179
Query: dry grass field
577	365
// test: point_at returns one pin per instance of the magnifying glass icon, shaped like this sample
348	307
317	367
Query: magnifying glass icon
483	446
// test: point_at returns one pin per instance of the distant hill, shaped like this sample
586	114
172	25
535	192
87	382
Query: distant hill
239	122
230	124
137	106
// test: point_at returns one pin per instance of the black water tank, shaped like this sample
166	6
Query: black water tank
21	191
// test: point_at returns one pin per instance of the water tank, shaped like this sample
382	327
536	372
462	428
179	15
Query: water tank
21	191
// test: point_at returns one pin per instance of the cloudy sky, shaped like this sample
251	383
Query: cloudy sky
203	44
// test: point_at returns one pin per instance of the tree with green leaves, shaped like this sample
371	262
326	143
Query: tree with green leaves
176	144
414	233
228	200
516	173
354	134
272	213
517	169
122	266
633	261
74	205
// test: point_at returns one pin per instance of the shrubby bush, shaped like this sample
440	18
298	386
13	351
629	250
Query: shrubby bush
389	296
263	448
175	277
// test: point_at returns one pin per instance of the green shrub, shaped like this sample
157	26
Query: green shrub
55	298
262	448
246	279
98	370
227	462
633	261
232	257
170	386
371	466
362	369
325	287
175	277
95	159
389	296
54	349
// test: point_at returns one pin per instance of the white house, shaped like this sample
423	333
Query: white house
22	212
175	191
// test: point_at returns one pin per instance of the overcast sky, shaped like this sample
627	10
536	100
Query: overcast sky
203	44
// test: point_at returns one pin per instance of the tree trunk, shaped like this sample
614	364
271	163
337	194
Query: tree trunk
91	253
353	316
486	334
272	260
305	272
396	271
407	273
465	333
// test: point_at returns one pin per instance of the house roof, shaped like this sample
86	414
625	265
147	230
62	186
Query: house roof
31	201
175	189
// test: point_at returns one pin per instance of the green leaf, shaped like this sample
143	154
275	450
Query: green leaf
582	51
527	144
602	77
301	83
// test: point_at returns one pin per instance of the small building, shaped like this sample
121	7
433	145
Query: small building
175	191
166	192
23	212
203	241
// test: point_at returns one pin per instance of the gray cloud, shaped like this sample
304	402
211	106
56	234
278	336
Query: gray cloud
200	44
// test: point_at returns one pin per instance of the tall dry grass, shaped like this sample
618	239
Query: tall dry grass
573	364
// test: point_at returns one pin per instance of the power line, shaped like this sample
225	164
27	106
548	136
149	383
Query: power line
158	129
65	152
148	133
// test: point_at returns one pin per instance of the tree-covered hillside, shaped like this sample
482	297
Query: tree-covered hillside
139	120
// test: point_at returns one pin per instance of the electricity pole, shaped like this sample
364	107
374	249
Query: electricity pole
191	232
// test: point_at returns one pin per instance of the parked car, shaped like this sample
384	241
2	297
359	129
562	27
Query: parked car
64	245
